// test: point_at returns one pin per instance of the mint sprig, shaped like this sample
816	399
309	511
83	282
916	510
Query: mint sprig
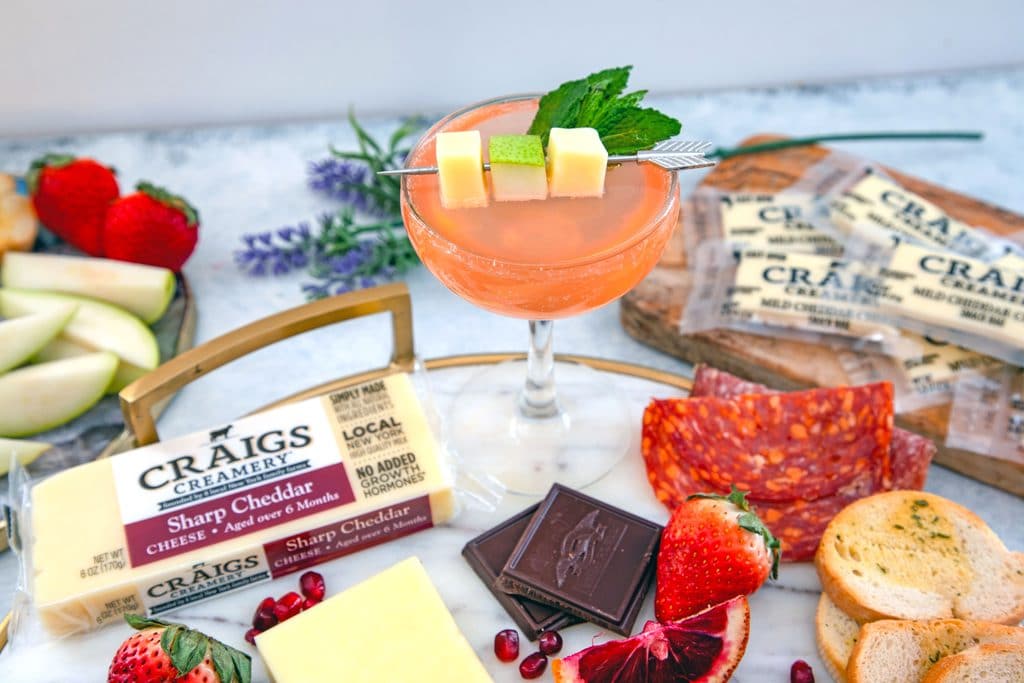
598	102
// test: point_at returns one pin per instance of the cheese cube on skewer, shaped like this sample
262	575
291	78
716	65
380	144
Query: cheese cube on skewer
460	168
577	161
517	168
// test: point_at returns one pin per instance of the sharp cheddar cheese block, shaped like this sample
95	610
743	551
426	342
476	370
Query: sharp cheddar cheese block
392	627
193	517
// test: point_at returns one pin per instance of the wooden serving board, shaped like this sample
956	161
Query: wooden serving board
652	311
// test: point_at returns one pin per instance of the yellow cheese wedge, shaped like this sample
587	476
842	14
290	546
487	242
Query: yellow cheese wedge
460	168
391	627
187	519
577	161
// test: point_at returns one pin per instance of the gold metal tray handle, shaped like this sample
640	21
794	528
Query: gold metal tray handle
139	398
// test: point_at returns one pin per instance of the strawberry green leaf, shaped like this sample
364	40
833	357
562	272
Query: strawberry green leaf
223	662
243	665
140	622
749	521
51	160
172	200
188	650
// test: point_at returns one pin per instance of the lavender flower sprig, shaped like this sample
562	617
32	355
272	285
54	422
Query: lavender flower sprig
344	253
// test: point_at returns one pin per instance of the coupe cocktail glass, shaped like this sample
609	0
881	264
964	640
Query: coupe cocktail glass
541	261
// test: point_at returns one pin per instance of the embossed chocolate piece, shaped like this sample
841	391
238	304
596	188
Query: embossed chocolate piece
585	557
487	554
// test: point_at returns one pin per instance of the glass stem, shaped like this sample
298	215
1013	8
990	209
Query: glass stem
538	399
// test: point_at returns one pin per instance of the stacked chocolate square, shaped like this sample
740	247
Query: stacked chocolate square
567	559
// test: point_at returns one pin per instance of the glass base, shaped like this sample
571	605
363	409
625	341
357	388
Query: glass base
582	443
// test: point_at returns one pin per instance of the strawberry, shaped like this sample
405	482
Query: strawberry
151	226
71	197
713	549
162	652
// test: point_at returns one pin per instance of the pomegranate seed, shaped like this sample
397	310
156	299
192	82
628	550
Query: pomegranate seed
250	635
265	604
266	617
312	586
307	603
288	605
506	645
533	666
801	672
549	642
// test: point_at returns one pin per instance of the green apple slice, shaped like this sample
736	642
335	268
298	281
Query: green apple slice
145	291
96	325
61	348
22	337
40	397
25	451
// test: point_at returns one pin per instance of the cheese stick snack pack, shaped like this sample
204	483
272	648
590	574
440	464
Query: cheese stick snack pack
754	220
988	414
807	297
868	212
923	373
190	518
956	299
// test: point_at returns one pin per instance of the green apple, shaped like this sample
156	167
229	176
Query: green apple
145	291
22	337
96	325
61	348
25	451
40	397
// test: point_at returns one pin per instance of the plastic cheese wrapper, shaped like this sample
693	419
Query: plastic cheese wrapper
923	373
754	220
805	297
869	212
191	518
957	299
988	414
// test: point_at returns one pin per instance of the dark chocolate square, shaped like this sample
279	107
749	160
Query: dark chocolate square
585	557
487	554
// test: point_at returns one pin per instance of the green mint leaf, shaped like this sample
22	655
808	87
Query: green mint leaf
597	102
614	110
243	666
639	129
558	109
139	622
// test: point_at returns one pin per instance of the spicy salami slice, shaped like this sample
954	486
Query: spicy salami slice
798	524
800	445
910	453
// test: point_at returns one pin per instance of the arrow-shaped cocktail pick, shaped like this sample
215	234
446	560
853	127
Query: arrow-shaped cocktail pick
672	155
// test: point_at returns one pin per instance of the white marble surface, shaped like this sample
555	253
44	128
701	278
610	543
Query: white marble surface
252	178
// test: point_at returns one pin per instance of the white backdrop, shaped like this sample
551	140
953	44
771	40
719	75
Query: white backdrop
73	65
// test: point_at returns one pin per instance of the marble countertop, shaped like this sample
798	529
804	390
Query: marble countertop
252	178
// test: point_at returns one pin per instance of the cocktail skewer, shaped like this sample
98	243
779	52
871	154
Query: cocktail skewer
672	155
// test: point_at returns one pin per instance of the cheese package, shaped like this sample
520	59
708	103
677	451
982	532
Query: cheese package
807	297
956	299
987	416
869	213
190	518
754	220
923	372
391	627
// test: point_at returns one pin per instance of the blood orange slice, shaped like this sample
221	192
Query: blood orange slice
705	647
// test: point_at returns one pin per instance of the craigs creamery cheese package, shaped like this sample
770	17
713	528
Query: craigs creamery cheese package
194	517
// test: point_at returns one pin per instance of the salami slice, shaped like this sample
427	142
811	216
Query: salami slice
802	445
798	524
910	453
911	456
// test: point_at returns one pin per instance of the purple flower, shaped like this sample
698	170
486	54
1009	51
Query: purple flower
337	179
